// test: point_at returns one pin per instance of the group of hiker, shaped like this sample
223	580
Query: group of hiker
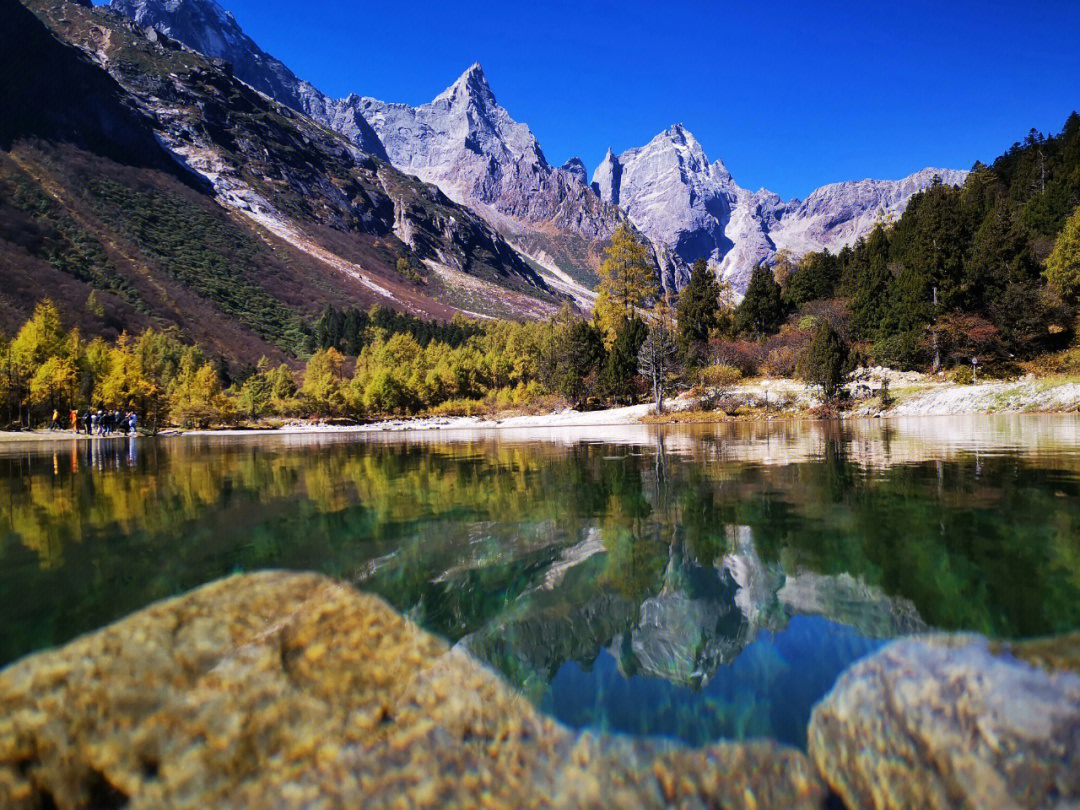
99	422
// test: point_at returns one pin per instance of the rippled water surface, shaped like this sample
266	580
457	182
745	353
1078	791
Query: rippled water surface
697	582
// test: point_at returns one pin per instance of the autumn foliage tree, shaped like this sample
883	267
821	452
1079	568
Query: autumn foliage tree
627	282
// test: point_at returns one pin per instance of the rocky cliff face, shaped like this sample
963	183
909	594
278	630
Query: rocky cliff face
340	218
206	27
463	142
468	145
681	201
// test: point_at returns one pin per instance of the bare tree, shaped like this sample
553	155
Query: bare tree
657	359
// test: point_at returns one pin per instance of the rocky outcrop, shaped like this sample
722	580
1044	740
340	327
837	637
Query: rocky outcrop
293	690
205	27
468	145
463	141
575	167
696	210
305	183
944	722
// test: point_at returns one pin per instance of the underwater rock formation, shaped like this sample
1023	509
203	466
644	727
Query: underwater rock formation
944	721
294	690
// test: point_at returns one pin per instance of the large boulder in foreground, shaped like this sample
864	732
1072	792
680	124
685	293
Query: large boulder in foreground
293	690
947	722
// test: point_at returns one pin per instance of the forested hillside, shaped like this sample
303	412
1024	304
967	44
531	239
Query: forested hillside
962	273
136	170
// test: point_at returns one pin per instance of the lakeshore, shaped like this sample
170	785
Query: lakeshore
911	394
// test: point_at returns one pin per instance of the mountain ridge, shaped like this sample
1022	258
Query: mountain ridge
145	173
677	197
499	171
206	27
469	146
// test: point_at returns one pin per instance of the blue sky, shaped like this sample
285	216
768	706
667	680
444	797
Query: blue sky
791	95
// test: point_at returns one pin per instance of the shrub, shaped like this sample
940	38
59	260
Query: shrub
904	351
720	375
747	356
459	407
783	361
962	375
785	349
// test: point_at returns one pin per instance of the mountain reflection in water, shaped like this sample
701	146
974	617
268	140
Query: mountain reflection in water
693	582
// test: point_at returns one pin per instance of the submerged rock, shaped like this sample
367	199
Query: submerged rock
293	690
942	722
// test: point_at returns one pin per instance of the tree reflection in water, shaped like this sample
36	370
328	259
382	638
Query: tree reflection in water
700	574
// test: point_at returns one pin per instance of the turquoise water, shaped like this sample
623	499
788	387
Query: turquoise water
692	582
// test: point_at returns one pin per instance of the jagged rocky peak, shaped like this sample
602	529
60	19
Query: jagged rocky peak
575	167
471	87
456	141
605	180
671	191
468	145
696	210
205	27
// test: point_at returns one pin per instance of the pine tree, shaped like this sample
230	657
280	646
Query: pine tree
698	311
580	355
762	309
867	283
622	361
826	361
816	277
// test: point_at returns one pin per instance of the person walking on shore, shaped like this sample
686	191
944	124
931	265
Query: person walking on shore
74	421
55	425
86	421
